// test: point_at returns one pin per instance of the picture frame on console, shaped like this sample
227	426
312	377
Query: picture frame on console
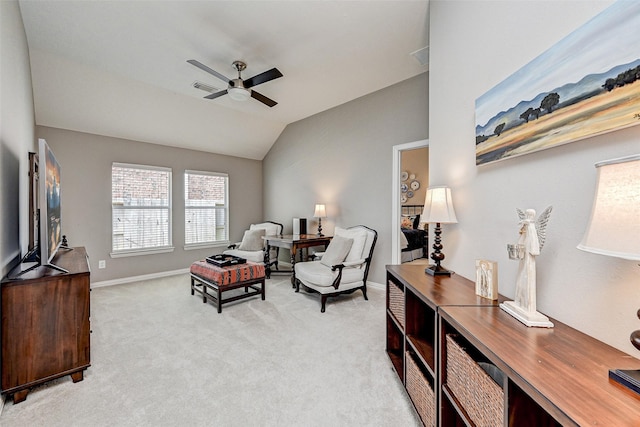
487	279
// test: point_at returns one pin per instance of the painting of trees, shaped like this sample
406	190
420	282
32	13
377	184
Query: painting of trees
586	84
550	101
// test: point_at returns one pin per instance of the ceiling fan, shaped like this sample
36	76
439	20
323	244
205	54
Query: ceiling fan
239	89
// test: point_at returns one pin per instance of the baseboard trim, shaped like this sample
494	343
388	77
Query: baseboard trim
162	274
124	280
375	285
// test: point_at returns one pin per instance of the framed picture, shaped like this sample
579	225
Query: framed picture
586	84
487	279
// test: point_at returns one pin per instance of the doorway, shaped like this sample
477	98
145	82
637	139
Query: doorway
396	194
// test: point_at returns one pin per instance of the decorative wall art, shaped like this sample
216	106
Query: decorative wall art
407	190
585	85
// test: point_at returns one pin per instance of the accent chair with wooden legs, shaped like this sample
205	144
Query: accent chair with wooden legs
344	266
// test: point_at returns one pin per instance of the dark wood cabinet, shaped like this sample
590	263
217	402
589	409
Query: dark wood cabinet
450	340
45	324
413	301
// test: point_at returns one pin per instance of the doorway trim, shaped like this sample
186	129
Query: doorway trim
395	195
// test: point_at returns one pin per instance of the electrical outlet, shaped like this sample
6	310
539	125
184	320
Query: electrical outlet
102	264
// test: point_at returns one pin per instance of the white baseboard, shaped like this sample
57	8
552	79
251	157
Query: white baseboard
375	285
161	274
139	278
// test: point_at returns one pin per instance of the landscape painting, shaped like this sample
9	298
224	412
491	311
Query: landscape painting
585	85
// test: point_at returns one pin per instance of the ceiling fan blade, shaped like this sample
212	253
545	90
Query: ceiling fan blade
260	97
262	78
215	95
208	70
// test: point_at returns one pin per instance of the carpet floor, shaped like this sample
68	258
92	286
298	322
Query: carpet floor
160	357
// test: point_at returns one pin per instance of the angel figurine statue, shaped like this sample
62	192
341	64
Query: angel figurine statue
530	243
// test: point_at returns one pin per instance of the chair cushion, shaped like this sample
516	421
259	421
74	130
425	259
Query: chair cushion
359	236
337	251
253	240
314	273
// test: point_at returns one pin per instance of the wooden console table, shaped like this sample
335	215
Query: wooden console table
550	377
295	243
45	324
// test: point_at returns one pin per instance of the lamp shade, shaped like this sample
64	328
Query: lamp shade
438	206
320	211
614	226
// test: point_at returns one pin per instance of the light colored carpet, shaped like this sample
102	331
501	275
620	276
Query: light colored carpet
160	357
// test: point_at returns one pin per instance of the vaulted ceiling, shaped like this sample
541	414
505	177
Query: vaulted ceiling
119	68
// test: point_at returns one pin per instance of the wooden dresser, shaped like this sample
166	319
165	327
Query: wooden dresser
45	324
443	340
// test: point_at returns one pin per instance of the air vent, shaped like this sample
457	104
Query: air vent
421	55
205	87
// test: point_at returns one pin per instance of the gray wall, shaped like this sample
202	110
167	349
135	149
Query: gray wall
343	158
596	294
86	161
17	120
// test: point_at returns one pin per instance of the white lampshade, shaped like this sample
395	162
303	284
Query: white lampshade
239	93
438	206
614	226
320	211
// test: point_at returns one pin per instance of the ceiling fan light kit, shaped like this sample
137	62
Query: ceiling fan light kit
239	89
239	93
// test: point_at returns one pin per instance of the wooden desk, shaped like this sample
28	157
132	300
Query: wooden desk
295	243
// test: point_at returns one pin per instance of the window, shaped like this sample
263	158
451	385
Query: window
205	208
140	209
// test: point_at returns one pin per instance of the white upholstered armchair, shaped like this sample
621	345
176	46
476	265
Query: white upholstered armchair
252	247
344	266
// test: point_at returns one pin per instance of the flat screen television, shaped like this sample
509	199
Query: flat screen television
49	205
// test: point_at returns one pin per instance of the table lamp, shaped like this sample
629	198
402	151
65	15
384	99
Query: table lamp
614	230
320	213
438	209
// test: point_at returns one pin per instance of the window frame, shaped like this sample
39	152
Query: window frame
211	243
150	250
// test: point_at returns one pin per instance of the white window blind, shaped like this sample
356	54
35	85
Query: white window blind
141	208
206	208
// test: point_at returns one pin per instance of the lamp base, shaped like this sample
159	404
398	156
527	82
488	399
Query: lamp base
437	270
628	378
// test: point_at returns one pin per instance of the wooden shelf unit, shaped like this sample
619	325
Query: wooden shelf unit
45	330
416	335
551	377
395	325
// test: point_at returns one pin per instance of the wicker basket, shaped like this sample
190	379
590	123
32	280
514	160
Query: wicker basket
396	302
479	395
420	392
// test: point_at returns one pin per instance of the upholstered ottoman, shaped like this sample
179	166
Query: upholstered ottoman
206	276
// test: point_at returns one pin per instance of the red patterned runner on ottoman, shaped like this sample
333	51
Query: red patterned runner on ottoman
228	275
